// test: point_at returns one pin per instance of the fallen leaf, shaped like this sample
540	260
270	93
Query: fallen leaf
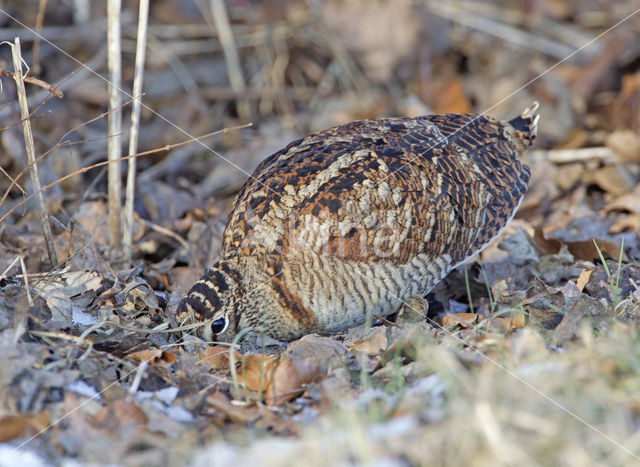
629	202
372	345
516	321
119	413
625	144
256	371
235	413
67	291
463	319
153	357
583	278
290	378
280	379
16	426
614	179
629	223
217	357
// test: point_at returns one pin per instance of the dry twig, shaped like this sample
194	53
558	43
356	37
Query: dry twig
135	124
236	78
31	153
37	82
115	121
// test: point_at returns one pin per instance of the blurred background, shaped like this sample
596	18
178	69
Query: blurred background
292	67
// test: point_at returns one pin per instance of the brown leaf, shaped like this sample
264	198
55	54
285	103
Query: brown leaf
256	371
153	356
15	426
371	345
614	179
583	278
625	144
516	321
235	413
289	379
120	413
281	379
217	357
629	223
462	319
629	202
587	250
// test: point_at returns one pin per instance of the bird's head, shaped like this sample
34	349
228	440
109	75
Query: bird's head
212	302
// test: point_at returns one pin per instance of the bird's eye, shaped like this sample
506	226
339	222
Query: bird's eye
219	326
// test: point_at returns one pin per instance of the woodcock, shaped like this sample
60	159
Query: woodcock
347	223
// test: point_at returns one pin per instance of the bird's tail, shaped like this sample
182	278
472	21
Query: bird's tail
526	126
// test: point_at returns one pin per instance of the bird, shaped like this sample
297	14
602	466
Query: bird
349	222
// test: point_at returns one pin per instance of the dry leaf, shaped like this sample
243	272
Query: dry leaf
629	202
239	414
119	413
379	36
614	179
153	357
463	319
256	371
372	345
587	250
279	379
15	426
629	223
217	357
516	321
625	144
289	379
583	278
68	292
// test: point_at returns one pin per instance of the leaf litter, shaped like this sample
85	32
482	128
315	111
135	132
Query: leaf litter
90	364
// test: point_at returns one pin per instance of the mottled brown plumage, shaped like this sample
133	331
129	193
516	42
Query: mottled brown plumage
348	222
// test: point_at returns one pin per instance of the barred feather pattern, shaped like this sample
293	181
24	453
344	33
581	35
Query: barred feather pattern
348	222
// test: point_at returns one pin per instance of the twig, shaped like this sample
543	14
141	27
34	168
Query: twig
563	156
103	163
66	83
114	122
38	82
135	124
35	61
13	263
142	368
236	78
25	278
13	182
31	153
20	318
166	232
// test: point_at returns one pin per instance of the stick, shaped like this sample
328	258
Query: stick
135	124
114	122
31	153
236	79
38	82
35	61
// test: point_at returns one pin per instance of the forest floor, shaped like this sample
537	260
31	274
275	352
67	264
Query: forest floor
528	355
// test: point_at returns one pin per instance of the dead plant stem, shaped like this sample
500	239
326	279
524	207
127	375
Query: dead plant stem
135	125
114	122
31	153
